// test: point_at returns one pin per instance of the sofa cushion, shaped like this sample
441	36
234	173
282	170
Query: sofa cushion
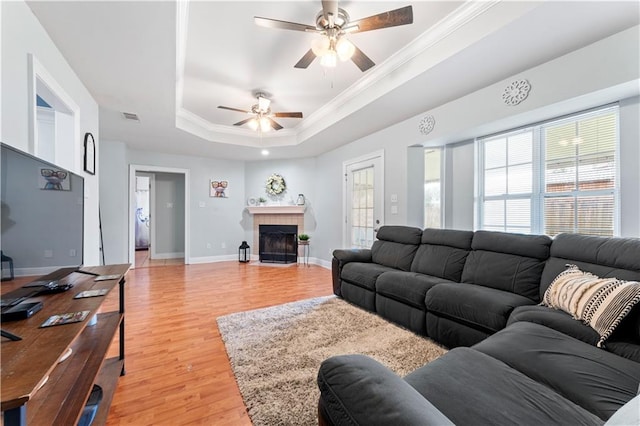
598	381
604	256
396	246
602	303
482	307
409	288
357	390
363	274
622	342
472	388
400	234
442	253
509	262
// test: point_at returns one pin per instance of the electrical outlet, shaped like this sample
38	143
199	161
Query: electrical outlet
48	253
169	205
208	245
202	204
72	253
394	209
223	245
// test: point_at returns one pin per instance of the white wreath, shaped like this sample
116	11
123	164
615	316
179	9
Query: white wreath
275	184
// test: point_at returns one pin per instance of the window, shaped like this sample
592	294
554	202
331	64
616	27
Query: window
432	188
559	176
362	208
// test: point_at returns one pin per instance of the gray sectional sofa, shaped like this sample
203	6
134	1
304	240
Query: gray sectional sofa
512	360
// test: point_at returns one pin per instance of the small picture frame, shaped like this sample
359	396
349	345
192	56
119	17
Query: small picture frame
89	154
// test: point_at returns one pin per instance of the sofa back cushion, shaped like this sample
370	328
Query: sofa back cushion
605	257
396	246
508	262
443	253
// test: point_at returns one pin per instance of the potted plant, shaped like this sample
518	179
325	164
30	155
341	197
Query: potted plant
262	201
303	239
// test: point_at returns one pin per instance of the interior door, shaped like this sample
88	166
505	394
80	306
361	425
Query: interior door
364	201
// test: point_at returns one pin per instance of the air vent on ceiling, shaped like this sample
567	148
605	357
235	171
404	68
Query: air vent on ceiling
130	116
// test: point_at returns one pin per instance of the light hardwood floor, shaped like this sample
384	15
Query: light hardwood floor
177	368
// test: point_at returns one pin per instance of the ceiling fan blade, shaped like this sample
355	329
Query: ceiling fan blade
306	60
330	11
283	25
240	123
288	114
392	18
233	109
361	60
275	125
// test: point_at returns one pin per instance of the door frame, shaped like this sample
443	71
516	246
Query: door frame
135	168
371	157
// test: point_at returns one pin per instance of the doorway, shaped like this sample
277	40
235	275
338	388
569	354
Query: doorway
364	199
143	212
167	192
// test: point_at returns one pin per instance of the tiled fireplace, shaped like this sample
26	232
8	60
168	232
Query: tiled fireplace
278	243
275	215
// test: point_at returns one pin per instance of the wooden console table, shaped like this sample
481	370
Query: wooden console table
36	389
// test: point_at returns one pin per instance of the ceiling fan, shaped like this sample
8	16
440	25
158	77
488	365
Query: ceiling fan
333	24
261	115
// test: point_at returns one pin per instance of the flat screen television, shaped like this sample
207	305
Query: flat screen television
42	214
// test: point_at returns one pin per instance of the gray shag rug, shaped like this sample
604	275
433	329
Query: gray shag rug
276	352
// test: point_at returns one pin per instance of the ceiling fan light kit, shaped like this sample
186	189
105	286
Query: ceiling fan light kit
332	24
261	114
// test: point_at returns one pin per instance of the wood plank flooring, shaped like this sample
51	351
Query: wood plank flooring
177	368
178	372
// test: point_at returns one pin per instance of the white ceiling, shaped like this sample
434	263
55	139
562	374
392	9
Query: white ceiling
172	64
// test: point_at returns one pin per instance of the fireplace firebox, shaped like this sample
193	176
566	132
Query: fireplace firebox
278	243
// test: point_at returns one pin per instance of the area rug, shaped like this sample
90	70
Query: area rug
275	353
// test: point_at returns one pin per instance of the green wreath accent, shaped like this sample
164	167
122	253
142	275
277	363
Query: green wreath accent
275	184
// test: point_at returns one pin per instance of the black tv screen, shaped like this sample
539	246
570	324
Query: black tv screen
42	214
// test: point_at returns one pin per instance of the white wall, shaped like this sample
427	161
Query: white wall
21	36
606	71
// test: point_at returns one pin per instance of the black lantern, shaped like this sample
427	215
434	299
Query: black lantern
244	252
6	268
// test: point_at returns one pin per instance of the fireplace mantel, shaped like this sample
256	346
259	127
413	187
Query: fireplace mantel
276	210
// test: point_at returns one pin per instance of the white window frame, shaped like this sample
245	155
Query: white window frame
538	193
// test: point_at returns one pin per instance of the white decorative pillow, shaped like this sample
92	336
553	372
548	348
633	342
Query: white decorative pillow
601	303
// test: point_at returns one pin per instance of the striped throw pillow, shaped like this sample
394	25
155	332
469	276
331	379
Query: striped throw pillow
601	303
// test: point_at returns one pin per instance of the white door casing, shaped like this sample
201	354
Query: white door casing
363	207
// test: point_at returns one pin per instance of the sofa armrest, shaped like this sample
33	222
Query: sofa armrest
352	255
340	258
357	390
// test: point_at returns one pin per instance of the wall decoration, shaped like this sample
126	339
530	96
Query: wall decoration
275	184
516	92
427	124
54	180
89	154
218	188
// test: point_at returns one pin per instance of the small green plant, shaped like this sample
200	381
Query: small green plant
262	200
303	237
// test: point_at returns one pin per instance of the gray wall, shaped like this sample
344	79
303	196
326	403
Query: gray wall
169	214
215	223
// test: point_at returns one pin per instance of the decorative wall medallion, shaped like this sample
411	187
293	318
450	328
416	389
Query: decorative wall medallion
427	124
516	92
